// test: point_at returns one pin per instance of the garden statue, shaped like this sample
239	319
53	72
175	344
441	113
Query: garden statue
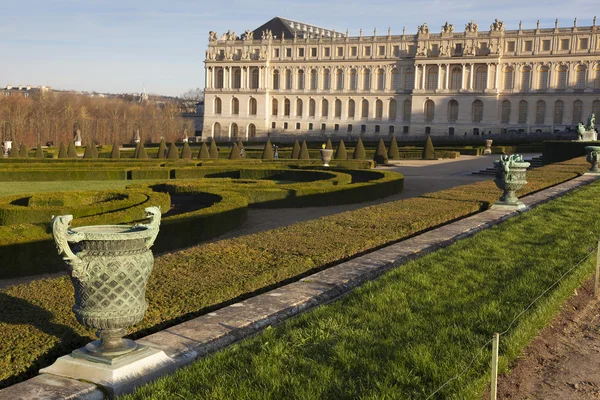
510	177
326	155
591	122
593	156
587	133
488	146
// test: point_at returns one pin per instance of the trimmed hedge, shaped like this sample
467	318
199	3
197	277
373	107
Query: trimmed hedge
62	175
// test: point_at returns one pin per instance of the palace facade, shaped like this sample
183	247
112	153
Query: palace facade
288	77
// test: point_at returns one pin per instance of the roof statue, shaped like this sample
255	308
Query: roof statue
497	26
424	29
248	35
229	35
471	27
448	28
212	36
268	34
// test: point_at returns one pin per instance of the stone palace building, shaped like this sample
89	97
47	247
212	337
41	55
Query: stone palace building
288	77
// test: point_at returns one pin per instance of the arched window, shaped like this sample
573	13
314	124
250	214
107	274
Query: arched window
288	79
326	79
392	110
432	78
559	108
237	78
523	106
540	112
395	81
353	80
287	107
254	80
219	80
481	78
312	107
429	110
274	107
380	79
301	79
234	131
339	79
251	130
314	81
526	78
505	112
367	79
218	106
324	108
299	107
543	78
477	111
351	108
379	109
235	106
338	108
253	106
217	130
581	81
577	111
407	110
365	109
561	78
508	78
452	111
456	79
596	108
276	80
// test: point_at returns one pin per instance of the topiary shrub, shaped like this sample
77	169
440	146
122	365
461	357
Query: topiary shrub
173	153
203	154
186	152
14	152
240	144
72	151
428	150
162	149
234	154
381	156
393	150
39	152
359	151
88	153
296	150
213	151
329	145
137	150
341	153
304	152
115	153
23	151
267	153
141	155
94	150
62	151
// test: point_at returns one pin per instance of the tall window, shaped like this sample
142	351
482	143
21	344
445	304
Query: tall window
508	78
543	78
274	107
367	79
481	78
237	78
299	107
311	107
407	110
353	80
392	110
452	111
526	78
338	108
505	112
561	79
254	80
429	110
380	79
540	112
326	79
217	130
301	79
523	106
219	80
379	109
477	111
234	131
432	78
218	105
456	78
581	72
324	108
251	130
339	79
559	108
395	82
313	79
577	111
365	109
351	108
235	106
287	107
596	108
409	79
252	107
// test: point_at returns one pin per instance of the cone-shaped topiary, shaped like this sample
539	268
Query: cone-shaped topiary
240	144
137	150
39	152
62	151
267	153
359	151
329	145
341	153
304	152
296	150
428	150
173	153
162	149
212	150
203	154
14	152
381	156
393	150
94	150
23	150
88	153
115	153
235	152
186	152
142	155
72	151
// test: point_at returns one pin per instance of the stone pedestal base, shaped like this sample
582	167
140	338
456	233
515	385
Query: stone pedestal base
518	206
593	173
118	377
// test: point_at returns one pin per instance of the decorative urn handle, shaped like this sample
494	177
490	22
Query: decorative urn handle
154	214
62	236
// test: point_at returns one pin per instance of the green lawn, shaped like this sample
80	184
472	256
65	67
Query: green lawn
12	188
404	335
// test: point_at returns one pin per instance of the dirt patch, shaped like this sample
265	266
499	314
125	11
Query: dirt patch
562	362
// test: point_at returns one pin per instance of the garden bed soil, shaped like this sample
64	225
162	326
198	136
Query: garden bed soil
562	362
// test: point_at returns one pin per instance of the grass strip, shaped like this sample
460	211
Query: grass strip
406	334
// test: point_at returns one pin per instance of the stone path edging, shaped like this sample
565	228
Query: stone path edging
189	340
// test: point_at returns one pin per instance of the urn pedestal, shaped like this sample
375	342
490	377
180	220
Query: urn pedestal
510	176
593	157
326	155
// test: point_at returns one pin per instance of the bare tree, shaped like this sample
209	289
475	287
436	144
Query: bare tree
188	100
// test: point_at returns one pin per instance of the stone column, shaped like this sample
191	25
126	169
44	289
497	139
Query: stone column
471	70
447	77
534	77
497	77
416	78
439	80
487	77
552	82
462	81
424	67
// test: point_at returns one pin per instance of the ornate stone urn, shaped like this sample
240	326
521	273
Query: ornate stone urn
109	266
326	156
488	147
510	177
593	156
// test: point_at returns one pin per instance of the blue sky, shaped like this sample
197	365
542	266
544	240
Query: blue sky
118	46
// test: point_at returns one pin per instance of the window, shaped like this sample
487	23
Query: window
505	112
510	46
452	111
381	51
564	44
451	131
288	52
324	108
477	111
508	78
561	82
525	78
395	81
528	45
237	78
583	44
392	110
275	53
311	107
379	109
456	78
366	79
235	106
255	79
581	71
313	51
301	79
543	78
540	112
458	49
274	107
367	51
326	80
396	51
326	52
285	125
340	52
523	105
339	79
217	130
596	107
432	78
288	79
323	127
405	129
481	78
336	127
353	51
287	107
411	50
252	107
545	45
276	80
351	108
338	108
353	80
251	130
429	110
349	128
219	80
217	106
363	128
391	129
313	79
577	111
301	52
407	111
377	128
310	126
365	109
559	108
297	125
299	107
435	49
380	79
